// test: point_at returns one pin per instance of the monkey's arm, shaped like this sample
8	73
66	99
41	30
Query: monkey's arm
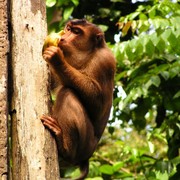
88	87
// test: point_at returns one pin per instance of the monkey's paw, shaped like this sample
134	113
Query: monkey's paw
51	124
53	55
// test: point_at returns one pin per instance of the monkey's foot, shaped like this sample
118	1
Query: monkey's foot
51	124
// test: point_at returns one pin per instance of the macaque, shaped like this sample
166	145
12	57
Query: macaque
84	67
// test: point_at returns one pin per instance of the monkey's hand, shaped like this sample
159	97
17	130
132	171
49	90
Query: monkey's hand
51	124
53	55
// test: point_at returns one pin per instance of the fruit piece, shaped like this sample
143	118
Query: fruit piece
52	40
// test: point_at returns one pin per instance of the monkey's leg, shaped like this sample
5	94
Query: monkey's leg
51	124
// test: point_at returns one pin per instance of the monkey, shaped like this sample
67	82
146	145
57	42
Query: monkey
85	68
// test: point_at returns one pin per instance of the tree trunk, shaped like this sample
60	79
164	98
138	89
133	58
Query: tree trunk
34	154
4	50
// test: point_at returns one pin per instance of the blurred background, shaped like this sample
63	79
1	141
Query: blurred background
142	139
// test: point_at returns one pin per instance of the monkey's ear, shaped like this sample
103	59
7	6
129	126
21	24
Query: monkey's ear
99	39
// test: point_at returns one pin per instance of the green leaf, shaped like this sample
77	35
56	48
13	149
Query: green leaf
142	16
172	40
139	49
160	23
166	34
161	45
67	12
49	12
75	2
106	169
155	80
175	22
143	26
111	129
165	75
129	53
174	71
177	95
118	51
95	178
164	166
162	176
134	152
103	27
133	15
154	38
150	48
62	2
176	160
117	166
50	3
151	146
152	12
144	40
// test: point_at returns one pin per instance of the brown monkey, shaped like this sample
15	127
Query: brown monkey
85	68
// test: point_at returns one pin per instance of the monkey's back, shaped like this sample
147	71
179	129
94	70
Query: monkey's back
79	141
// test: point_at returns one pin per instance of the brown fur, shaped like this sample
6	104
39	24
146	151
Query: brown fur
85	68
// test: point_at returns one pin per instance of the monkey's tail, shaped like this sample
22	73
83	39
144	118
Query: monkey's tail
84	168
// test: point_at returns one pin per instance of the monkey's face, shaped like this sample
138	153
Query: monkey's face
80	37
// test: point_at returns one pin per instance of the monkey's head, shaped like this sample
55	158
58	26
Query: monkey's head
81	38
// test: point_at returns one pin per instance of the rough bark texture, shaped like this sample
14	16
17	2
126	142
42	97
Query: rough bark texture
4	49
34	150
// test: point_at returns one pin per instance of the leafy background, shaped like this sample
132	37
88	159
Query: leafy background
142	139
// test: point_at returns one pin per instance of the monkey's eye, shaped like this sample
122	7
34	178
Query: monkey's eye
68	28
76	30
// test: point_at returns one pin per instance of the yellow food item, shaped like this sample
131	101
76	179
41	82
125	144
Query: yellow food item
52	40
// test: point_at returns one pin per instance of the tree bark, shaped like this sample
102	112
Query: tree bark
4	50
34	154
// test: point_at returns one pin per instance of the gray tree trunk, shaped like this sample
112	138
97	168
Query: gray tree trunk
4	50
34	154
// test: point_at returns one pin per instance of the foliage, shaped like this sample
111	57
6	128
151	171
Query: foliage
149	71
58	12
103	13
147	93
